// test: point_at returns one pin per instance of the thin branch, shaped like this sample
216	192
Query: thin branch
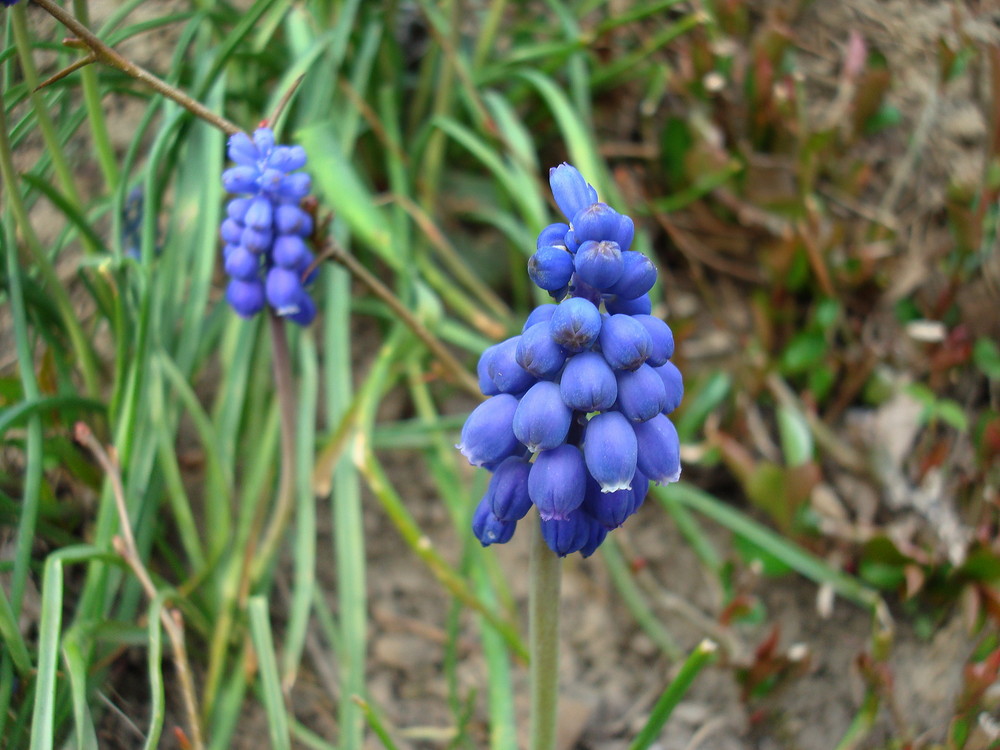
108	56
126	547
72	68
331	250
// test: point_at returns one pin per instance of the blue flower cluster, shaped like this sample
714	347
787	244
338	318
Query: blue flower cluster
265	228
576	423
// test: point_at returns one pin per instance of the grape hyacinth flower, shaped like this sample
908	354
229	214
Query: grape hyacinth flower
576	423
265	228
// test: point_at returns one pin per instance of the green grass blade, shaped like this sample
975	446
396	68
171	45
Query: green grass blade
11	635
274	702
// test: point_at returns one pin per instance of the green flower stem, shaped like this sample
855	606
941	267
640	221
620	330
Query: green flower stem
285	386
106	55
543	632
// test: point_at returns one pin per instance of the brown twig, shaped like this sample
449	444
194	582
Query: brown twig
72	68
104	54
126	547
331	250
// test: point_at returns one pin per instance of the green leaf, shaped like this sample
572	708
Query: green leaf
986	355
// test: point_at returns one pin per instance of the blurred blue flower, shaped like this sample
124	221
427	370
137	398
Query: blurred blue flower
265	229
576	424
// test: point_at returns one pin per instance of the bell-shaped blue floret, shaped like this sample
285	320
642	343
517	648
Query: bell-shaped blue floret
256	241
610	451
673	384
637	277
486	384
542	420
539	354
290	219
240	179
508	489
246	297
624	342
597	534
294	186
659	450
661	336
565	536
598	264
242	150
242	264
284	290
610	509
263	138
289	251
640	488
541	314
488	528
642	305
557	481
588	383
505	372
287	158
231	231
553	234
575	324
641	394
260	214
488	433
601	223
237	209
551	268
571	191
307	310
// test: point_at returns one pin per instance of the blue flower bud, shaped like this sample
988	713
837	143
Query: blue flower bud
641	394
638	306
231	231
565	536
287	158
289	251
637	278
242	150
610	509
486	384
508	490
488	528
295	186
610	451
542	420
661	336
640	488
245	297
551	268
571	191
488	433
270	182
659	449
539	354
307	310
588	383
575	324
673	384
553	234
240	179
624	342
598	263
237	209
557	481
256	241
241	263
263	138
289	219
541	314
505	372
259	214
599	223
